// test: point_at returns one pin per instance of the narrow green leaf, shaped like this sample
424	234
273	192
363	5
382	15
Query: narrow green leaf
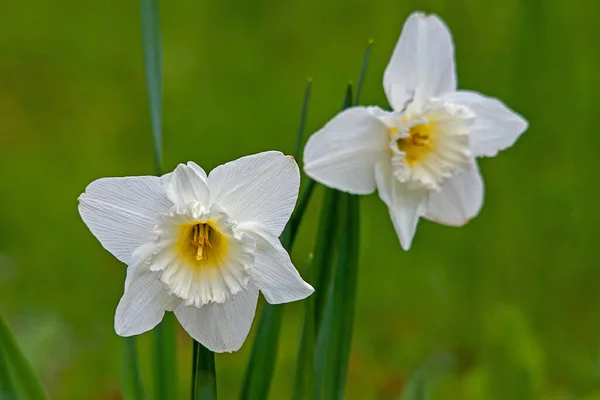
165	357
323	343
335	337
11	356
8	390
345	288
152	44
296	218
204	377
131	385
259	372
335	330
304	381
165	333
323	256
302	123
363	71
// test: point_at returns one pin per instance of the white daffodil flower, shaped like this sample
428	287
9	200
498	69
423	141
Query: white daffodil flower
421	156
201	246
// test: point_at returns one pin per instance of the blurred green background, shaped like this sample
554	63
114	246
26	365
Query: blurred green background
506	307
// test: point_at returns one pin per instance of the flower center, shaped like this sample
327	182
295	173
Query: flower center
201	244
199	255
430	146
417	144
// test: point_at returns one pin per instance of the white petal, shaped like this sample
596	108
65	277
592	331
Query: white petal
422	64
199	170
273	271
262	187
144	303
343	154
187	184
221	327
405	204
460	199
496	127
122	212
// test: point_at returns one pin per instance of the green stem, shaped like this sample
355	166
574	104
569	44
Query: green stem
130	373
259	372
165	357
204	376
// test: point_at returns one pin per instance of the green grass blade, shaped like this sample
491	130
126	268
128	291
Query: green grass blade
8	389
335	337
296	218
335	330
204	377
164	334
165	357
21	371
346	285
322	358
304	381
363	71
131	385
153	65
302	123
260	369
320	270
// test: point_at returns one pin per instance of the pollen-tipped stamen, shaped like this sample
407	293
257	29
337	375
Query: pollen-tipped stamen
201	238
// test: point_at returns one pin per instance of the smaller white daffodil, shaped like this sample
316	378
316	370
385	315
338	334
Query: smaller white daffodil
201	246
421	156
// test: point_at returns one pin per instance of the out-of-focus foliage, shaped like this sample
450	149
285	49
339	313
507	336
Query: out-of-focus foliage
511	299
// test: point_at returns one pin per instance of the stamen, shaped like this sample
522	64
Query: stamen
201	238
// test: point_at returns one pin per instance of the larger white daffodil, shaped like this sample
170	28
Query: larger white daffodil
421	156
201	246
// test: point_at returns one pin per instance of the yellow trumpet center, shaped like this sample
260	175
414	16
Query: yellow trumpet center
417	144
201	244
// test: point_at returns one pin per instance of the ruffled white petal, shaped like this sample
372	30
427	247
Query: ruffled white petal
221	327
144	302
121	212
422	64
273	272
187	184
262	187
459	200
343	154
496	127
405	204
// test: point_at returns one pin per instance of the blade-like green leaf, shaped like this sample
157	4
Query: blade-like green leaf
345	290
164	334
204	377
21	371
363	71
259	372
320	270
295	220
304	381
8	389
152	44
335	336
302	123
165	357
131	386
335	330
